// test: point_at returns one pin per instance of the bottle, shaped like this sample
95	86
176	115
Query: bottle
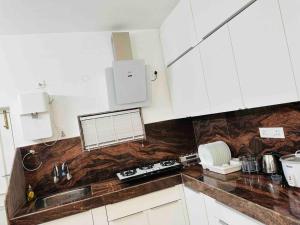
30	194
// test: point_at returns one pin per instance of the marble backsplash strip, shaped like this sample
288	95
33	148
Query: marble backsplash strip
240	129
165	140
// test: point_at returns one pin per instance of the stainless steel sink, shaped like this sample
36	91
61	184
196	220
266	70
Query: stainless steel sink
63	198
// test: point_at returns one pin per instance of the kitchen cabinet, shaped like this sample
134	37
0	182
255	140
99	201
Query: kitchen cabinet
220	72
3	219
168	214
177	32
291	19
209	14
195	207
85	218
262	55
165	207
99	216
220	214
135	219
187	86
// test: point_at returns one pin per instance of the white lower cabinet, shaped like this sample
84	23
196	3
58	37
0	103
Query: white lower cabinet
84	218
165	207
220	214
168	214
140	218
204	210
100	216
3	218
196	207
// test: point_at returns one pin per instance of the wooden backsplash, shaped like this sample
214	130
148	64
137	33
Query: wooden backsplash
165	140
240	129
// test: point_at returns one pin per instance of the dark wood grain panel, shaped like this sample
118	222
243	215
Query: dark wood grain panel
240	129
165	140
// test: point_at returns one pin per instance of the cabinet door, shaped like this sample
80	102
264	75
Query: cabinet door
291	18
262	56
220	72
227	215
100	216
187	86
211	210
168	214
3	219
135	219
78	219
196	207
209	14
177	32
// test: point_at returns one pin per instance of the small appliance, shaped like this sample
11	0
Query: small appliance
291	168
148	170
189	160
271	163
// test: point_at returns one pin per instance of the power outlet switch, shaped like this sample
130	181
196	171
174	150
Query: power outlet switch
271	132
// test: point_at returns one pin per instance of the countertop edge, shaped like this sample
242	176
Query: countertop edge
249	208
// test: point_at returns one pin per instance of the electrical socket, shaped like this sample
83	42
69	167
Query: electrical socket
271	132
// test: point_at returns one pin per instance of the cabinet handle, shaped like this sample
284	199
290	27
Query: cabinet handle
5	118
222	222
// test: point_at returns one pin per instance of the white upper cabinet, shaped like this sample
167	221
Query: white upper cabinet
220	72
177	32
187	86
291	17
262	56
209	14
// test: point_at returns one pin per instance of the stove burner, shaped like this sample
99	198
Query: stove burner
168	163
146	167
128	173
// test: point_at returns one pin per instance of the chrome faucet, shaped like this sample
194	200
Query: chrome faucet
65	171
55	174
60	173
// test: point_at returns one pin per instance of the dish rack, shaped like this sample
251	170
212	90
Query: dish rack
233	166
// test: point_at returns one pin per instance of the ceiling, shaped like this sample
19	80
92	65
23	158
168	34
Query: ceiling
55	16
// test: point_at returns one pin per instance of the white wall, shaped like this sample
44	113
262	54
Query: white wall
73	67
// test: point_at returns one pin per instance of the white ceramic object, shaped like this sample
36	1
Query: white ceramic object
214	154
291	168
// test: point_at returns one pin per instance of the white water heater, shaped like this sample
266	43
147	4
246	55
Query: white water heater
35	116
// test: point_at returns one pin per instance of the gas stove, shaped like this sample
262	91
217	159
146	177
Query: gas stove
148	170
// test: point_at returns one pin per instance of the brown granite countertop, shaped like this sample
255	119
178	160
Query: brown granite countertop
254	195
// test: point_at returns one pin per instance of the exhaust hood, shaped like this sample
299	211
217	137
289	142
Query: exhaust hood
128	82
